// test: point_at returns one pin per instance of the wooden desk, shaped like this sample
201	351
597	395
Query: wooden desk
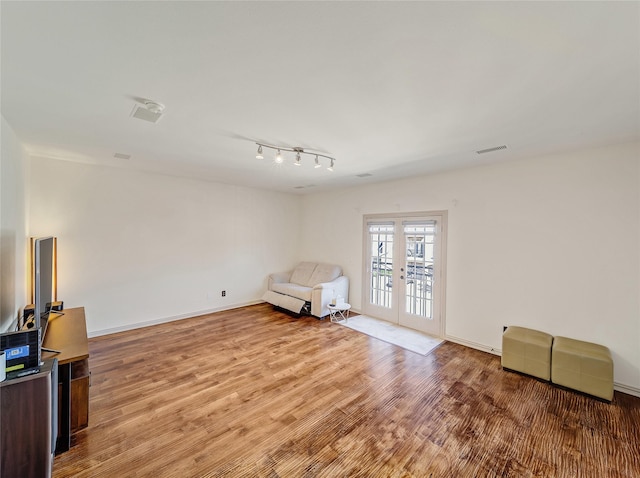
67	333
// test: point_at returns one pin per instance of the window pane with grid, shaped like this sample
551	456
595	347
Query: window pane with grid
381	240
419	241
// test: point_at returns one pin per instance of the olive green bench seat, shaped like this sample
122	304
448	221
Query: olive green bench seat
527	351
582	366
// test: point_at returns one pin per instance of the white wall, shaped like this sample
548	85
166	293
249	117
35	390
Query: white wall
136	248
14	244
551	243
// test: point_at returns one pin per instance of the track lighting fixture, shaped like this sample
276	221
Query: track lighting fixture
299	152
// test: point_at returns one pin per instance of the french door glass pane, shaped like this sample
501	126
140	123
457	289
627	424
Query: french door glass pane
419	241
381	240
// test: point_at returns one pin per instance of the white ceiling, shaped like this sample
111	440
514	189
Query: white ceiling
391	89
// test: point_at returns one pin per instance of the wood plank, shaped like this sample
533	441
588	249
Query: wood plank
257	392
67	332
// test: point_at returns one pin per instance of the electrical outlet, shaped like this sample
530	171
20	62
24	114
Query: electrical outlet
224	293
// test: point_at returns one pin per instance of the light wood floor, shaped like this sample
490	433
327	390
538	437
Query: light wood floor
256	392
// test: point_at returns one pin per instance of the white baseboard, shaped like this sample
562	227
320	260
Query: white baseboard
620	387
473	345
139	325
628	389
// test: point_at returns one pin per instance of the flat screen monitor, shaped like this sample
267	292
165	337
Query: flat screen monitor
44	257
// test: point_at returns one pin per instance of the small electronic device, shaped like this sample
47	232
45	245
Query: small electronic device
56	306
28	313
22	352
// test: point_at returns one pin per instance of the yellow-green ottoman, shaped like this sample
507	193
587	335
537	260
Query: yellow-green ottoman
527	351
582	366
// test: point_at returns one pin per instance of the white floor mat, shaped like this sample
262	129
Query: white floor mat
380	329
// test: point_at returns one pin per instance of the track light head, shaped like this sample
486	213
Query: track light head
259	153
297	163
279	157
318	165
330	168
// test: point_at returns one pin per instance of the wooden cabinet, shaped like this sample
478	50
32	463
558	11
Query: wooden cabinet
80	381
26	420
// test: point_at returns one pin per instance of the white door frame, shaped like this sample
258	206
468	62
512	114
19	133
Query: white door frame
440	299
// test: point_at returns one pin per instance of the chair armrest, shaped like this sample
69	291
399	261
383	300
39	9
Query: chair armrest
324	292
336	283
279	278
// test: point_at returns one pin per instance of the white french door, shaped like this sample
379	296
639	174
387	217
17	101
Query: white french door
404	269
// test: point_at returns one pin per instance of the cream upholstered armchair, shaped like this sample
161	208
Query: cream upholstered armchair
308	288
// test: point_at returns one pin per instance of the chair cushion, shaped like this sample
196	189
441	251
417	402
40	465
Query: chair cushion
324	273
527	351
583	366
294	290
302	273
310	274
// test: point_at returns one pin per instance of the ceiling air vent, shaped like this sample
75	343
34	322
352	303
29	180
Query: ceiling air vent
122	156
364	175
491	150
148	111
